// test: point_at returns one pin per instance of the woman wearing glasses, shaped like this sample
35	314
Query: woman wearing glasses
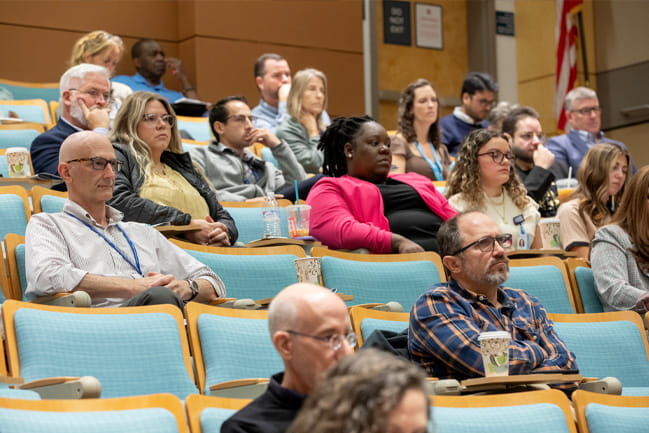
602	176
484	179
417	146
158	183
306	102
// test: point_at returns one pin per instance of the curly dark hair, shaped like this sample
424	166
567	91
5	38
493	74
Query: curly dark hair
358	394
332	142
407	118
465	178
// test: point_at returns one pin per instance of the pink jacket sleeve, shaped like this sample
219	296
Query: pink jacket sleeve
334	223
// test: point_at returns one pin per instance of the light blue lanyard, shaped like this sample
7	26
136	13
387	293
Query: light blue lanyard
135	265
436	165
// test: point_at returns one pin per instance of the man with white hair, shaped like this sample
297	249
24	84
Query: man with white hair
310	329
584	116
85	105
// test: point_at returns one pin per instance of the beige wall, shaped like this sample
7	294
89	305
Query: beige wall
218	41
445	69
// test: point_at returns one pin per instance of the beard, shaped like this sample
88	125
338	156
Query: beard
495	277
77	114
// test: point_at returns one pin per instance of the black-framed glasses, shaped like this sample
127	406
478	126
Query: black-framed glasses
528	136
587	110
241	118
99	163
153	119
334	341
486	244
498	156
94	93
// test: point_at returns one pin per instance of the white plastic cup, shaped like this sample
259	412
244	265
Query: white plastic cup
494	346
298	220
18	162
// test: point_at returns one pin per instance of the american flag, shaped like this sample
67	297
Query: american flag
566	37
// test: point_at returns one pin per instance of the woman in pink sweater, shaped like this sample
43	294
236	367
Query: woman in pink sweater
360	206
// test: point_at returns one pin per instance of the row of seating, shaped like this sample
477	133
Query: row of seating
528	412
144	350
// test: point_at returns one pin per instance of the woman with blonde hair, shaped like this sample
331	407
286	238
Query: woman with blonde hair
158	182
417	146
367	392
306	102
601	176
620	254
102	49
484	179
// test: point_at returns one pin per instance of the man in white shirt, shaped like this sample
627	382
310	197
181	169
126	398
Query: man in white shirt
88	247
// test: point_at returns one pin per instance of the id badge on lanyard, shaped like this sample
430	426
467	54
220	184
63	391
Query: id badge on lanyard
522	239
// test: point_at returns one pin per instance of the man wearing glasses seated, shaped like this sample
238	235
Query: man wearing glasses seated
446	320
233	170
584	118
85	105
88	247
310	329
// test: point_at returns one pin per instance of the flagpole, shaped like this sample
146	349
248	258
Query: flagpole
582	42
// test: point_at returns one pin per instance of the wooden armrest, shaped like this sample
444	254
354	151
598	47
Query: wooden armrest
65	387
7	381
240	388
73	299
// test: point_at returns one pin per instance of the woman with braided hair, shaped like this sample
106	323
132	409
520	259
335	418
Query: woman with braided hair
359	205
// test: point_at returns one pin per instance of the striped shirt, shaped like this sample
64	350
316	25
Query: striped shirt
446	321
60	250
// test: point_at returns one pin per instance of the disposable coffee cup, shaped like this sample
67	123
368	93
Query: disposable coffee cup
18	162
308	270
495	352
550	233
298	220
565	187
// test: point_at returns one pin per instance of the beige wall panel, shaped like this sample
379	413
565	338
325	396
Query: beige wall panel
635	138
539	94
399	65
221	75
622	24
133	17
535	46
330	24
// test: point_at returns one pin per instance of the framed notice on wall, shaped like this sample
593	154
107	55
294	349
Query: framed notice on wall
396	22
429	27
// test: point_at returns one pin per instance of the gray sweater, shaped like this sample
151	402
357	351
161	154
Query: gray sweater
304	148
237	179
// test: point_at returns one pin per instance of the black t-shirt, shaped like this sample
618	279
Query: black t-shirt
408	214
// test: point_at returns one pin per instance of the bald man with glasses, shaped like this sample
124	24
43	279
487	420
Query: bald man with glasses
87	247
310	329
446	320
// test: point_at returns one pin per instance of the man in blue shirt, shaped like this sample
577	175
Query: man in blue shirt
478	96
584	116
273	80
151	64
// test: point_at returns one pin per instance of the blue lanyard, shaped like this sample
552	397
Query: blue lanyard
135	265
435	166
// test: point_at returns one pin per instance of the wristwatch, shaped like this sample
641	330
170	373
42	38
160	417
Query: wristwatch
194	286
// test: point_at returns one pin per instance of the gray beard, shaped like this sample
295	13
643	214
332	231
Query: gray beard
77	114
490	278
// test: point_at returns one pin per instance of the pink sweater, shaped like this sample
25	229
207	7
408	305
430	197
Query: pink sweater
347	212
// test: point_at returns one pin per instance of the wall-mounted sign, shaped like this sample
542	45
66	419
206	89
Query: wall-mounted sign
396	23
505	23
428	21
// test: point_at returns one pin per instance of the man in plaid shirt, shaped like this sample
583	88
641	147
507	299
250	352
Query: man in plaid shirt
446	320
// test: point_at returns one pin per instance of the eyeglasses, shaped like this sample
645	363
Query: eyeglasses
487	243
94	93
241	118
587	110
152	119
486	102
335	341
528	136
498	156
99	163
